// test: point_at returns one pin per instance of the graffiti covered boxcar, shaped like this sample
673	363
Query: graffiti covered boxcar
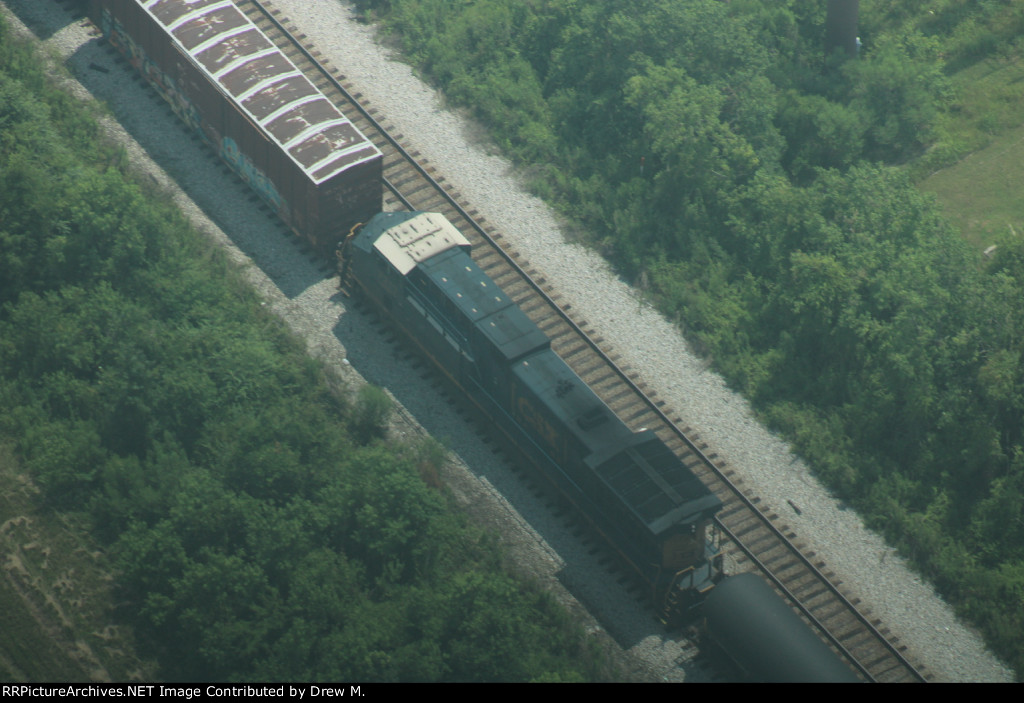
236	90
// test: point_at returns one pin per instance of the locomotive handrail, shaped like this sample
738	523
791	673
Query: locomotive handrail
612	365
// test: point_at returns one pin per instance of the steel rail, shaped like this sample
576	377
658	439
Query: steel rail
651	405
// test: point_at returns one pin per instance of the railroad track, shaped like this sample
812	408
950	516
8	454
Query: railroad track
753	534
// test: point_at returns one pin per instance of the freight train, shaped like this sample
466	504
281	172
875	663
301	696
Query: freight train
245	99
416	268
650	507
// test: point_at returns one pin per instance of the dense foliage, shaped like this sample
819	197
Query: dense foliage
261	528
714	152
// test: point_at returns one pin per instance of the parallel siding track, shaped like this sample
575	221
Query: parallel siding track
753	535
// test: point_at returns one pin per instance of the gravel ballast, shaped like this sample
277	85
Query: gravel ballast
650	344
294	284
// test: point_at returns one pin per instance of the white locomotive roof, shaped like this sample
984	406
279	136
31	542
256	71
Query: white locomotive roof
417	239
265	85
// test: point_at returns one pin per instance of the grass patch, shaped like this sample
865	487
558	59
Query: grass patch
977	164
992	98
27	652
56	603
982	193
989	102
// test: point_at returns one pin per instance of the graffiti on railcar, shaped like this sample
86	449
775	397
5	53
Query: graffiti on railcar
165	85
184	108
249	173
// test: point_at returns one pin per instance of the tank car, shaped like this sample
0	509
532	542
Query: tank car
240	94
648	505
765	638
